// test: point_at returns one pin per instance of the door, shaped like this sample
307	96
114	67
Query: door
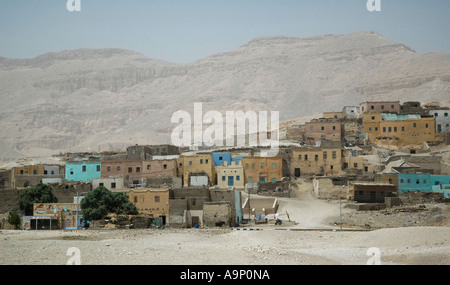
230	180
297	172
195	221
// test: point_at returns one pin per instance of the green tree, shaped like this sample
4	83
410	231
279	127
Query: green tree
101	202
41	193
14	219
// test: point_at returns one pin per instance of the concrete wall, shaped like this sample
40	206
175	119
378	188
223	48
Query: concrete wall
74	171
109	183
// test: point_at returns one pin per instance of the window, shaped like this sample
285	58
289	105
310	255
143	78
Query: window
401	180
316	157
113	185
246	165
414	125
299	157
333	154
262	180
201	161
157	199
334	128
108	168
84	168
392	106
133	151
331	167
206	161
253	165
130	169
382	107
322	128
390	129
163	149
403	129
272	180
149	167
138	169
34	171
45	171
274	165
436	114
250	180
355	165
190	162
395	129
445	114
135	199
376	129
370	129
306	157
373	118
409	180
98	168
417	181
325	155
372	107
223	178
311	128
238	178
71	172
426	126
384	129
424	181
100	184
118	168
157	149
165	166
262	165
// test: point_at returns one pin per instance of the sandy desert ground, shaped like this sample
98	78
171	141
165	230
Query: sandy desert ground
313	239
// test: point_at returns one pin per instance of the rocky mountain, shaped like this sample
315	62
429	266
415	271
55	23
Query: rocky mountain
81	100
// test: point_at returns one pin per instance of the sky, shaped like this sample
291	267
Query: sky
182	31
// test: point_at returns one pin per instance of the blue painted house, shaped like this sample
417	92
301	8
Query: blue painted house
424	182
83	171
220	157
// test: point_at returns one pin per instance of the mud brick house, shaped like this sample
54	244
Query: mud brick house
379	107
392	130
323	130
139	152
262	169
130	170
196	170
372	192
150	201
230	175
159	168
316	161
109	183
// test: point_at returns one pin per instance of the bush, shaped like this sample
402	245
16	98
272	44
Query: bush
101	202
14	219
41	193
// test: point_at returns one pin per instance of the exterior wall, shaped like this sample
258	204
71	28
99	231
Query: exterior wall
262	169
74	171
403	130
153	202
109	183
313	161
130	170
379	107
139	152
372	193
214	212
234	198
442	118
420	181
33	180
220	157
29	170
164	149
323	130
5	179
195	164
236	172
391	178
53	170
157	168
333	115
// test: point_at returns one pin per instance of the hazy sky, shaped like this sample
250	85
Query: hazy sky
186	30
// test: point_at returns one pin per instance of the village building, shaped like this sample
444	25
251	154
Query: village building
442	118
392	130
153	202
130	170
196	170
424	182
262	169
379	107
109	183
83	171
316	161
320	130
159	168
230	175
371	192
350	112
